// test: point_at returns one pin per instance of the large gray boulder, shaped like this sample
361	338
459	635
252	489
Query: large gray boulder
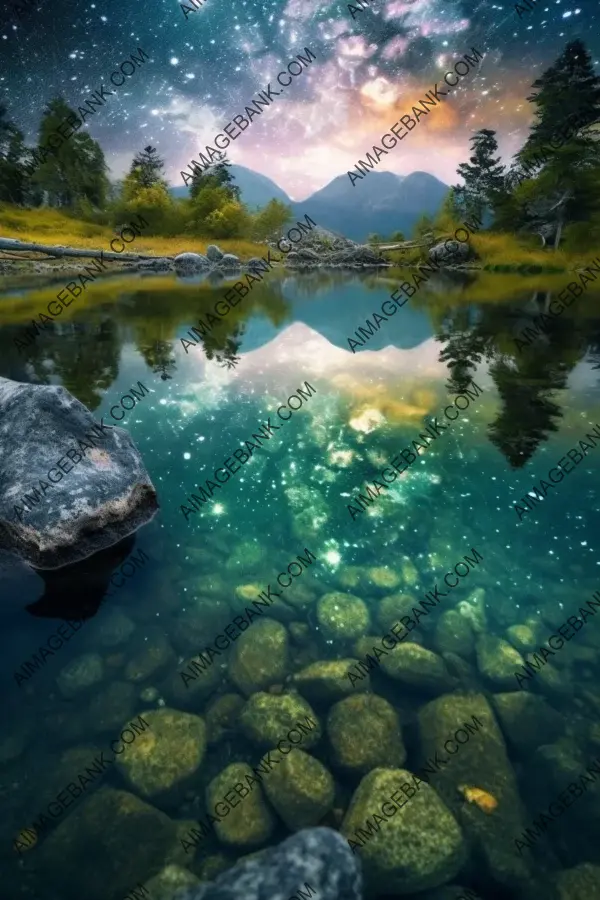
317	856
52	515
191	263
229	261
214	253
450	253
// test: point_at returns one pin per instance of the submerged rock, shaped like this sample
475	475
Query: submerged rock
81	673
364	731
527	720
317	856
251	822
111	821
301	790
259	657
267	718
498	661
223	716
412	664
342	617
393	607
420	846
99	499
481	762
327	680
165	754
454	634
580	883
168	881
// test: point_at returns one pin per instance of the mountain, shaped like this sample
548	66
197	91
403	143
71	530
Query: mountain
256	189
381	202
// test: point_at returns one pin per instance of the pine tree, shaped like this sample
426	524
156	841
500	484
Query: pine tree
566	99
147	168
215	176
483	176
13	154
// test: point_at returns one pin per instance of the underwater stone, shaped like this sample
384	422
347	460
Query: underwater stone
114	629
165	754
473	608
421	846
498	660
522	637
168	881
110	708
81	673
222	716
251	822
454	634
317	856
382	577
393	607
580	883
259	657
412	664
155	654
327	680
364	732
480	762
247	556
267	718
301	790
101	499
410	573
188	692
342	617
111	821
527	720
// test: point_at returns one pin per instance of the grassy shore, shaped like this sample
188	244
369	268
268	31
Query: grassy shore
50	226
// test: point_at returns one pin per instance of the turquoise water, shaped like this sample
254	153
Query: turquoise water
196	572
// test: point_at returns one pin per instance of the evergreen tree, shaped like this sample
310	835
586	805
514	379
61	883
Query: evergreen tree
483	176
13	154
215	176
147	168
76	170
270	220
566	99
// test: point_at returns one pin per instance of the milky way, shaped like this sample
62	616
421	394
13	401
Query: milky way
205	66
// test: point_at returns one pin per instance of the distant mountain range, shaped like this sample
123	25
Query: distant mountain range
381	202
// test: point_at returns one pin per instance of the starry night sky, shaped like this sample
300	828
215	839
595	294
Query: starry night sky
203	69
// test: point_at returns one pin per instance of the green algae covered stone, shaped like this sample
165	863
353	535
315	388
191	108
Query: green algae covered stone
301	790
342	617
327	680
364	732
413	844
267	718
165	754
260	656
251	822
415	665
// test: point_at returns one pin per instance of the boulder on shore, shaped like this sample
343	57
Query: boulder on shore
103	494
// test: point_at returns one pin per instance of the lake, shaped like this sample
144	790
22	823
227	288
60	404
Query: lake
434	495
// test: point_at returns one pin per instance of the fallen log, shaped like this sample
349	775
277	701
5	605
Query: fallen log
60	251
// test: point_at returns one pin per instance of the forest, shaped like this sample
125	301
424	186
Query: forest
548	197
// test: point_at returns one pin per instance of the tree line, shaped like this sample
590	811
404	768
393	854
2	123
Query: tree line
74	178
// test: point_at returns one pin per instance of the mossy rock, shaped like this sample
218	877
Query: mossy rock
527	720
164	755
364	731
392	607
111	707
80	674
415	665
480	761
498	661
523	638
410	573
190	692
301	790
579	883
420	845
453	634
342	617
155	655
111	821
250	823
248	556
381	578
168	882
267	718
326	681
260	657
223	716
